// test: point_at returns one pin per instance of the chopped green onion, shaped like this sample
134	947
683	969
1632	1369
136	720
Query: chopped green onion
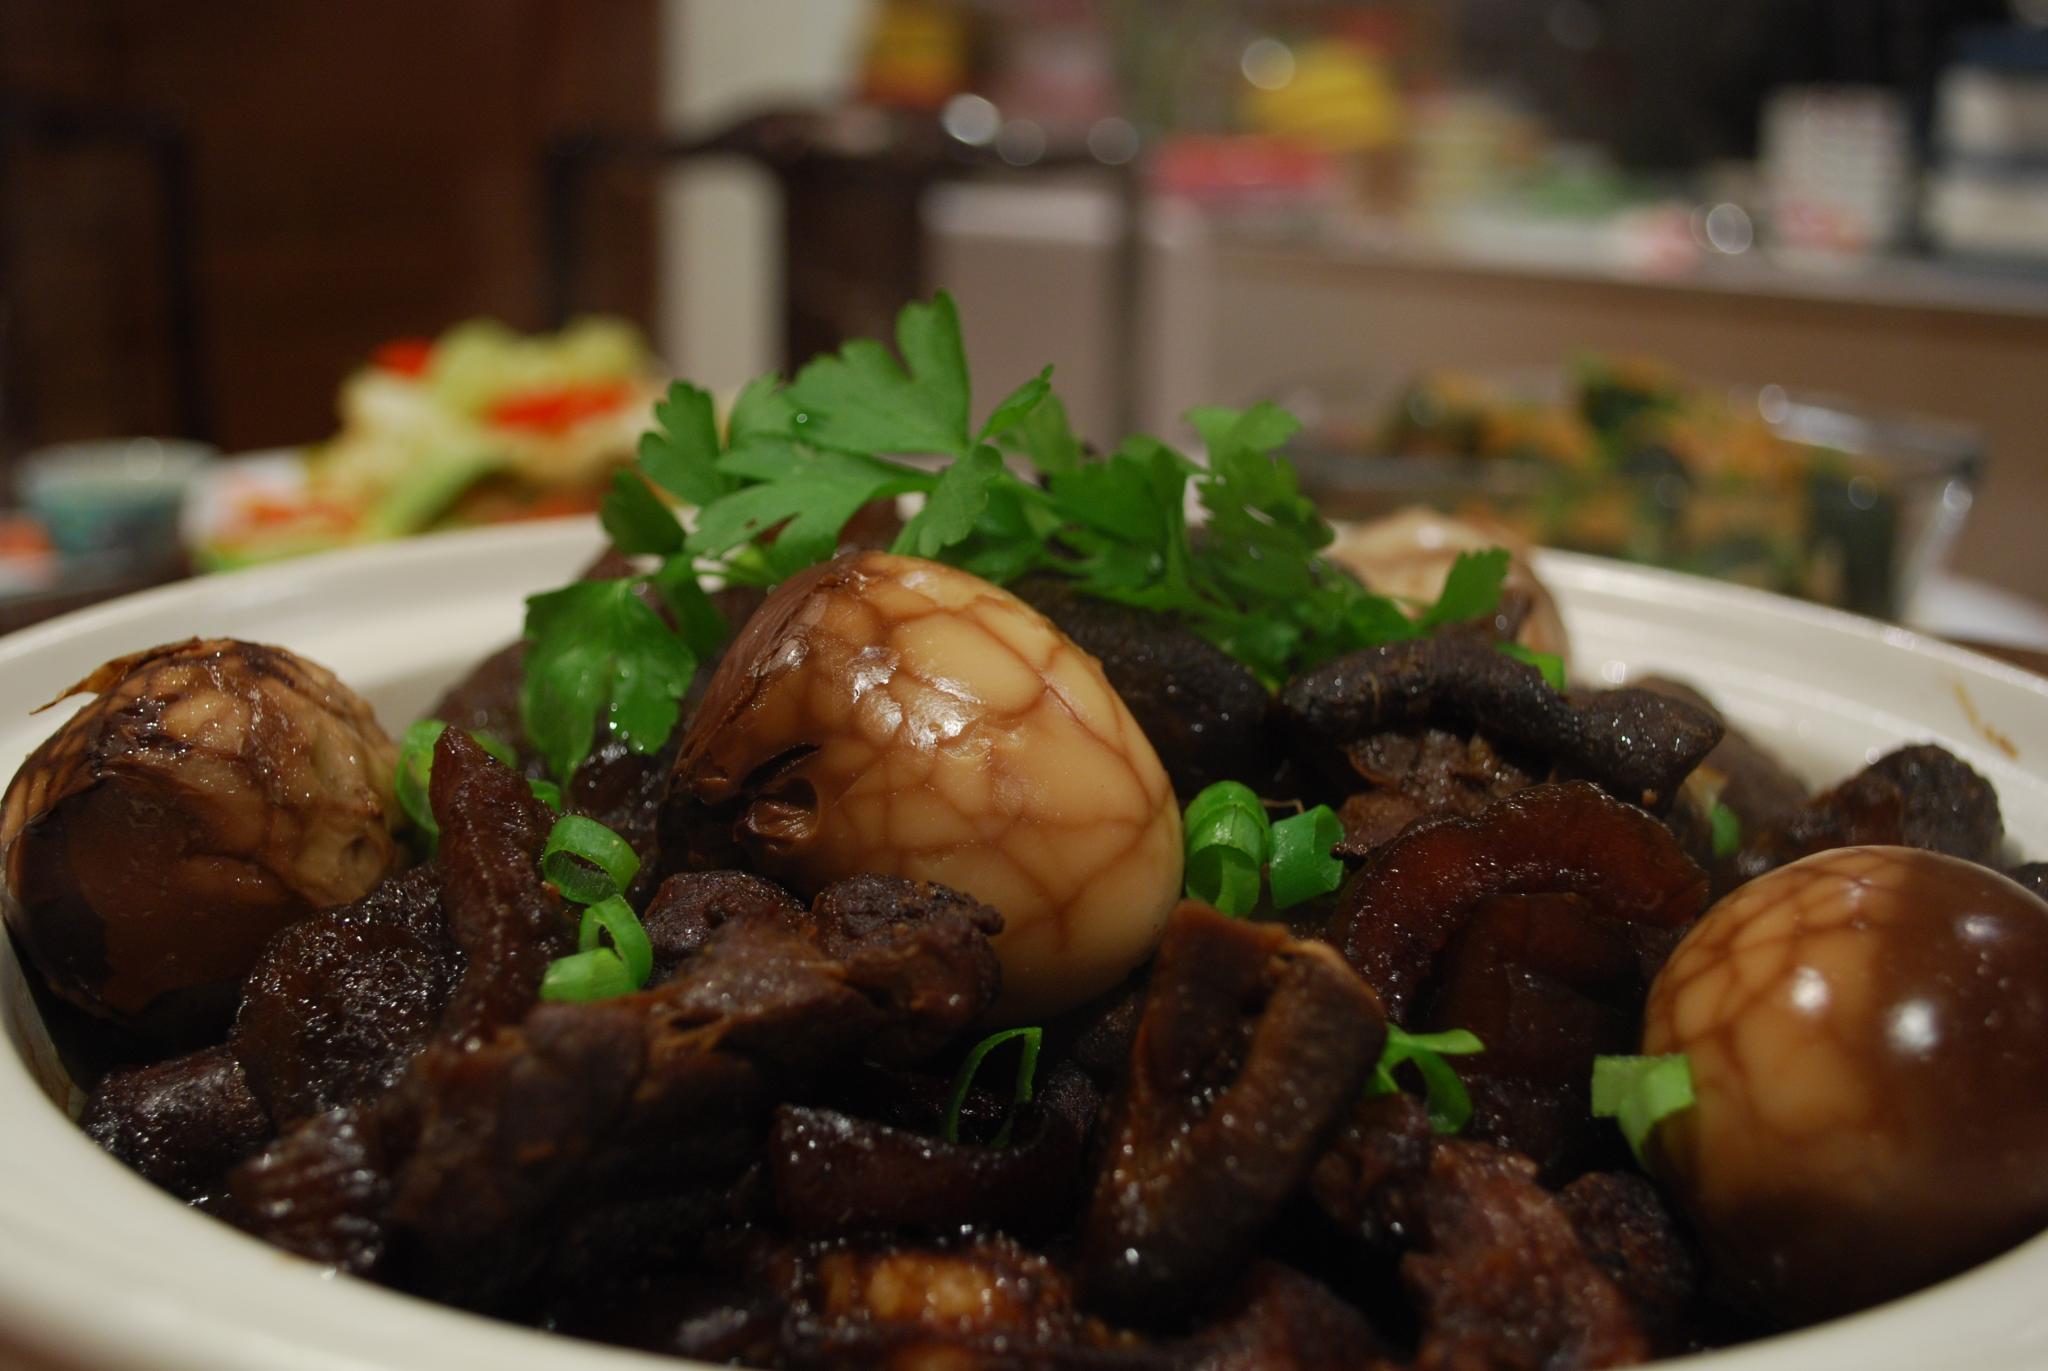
548	793
599	974
1027	1070
1727	828
1639	1093
1549	663
615	917
416	773
587	861
1301	866
1225	878
1444	1095
1227	833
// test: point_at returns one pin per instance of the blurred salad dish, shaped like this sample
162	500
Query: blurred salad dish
480	425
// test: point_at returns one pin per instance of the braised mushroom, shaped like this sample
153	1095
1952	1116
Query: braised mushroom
214	792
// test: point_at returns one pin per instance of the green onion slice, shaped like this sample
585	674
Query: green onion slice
1301	866
1227	832
587	861
598	974
1225	878
548	793
1727	830
1639	1093
1027	1070
1549	663
1444	1095
416	773
615	917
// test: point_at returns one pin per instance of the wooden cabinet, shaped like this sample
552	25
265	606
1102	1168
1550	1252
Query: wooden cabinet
358	171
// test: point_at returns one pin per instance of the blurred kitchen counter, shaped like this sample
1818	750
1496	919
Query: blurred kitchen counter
1230	318
1949	345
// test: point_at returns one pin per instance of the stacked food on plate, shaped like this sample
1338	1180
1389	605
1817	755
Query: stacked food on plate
481	425
1039	932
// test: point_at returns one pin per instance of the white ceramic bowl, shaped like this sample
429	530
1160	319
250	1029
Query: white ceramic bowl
98	1269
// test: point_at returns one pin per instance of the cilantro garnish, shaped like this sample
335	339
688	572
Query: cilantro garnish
595	650
1017	494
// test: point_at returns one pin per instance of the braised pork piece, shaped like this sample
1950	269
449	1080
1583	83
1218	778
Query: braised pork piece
769	1154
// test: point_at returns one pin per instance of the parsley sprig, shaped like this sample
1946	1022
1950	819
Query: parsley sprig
1016	494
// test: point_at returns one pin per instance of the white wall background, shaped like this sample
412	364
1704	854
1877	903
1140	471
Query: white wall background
721	247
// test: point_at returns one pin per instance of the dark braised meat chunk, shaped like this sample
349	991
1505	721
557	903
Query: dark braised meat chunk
917	946
1635	745
320	1191
1548	982
1385	1142
1632	1238
660	1095
1501	1276
1420	775
182	1123
501	916
332	1011
691	905
1203	712
1250	1049
339	1003
1923	796
623	790
1504	1273
1099	1034
834	1173
1278	1319
1538	926
1397	914
983	1303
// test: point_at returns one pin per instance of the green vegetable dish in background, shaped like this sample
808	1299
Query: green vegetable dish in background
1624	457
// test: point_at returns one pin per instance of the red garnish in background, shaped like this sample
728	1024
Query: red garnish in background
555	409
262	510
560	504
404	356
22	537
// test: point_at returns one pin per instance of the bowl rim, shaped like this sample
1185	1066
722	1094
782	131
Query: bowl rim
229	1303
